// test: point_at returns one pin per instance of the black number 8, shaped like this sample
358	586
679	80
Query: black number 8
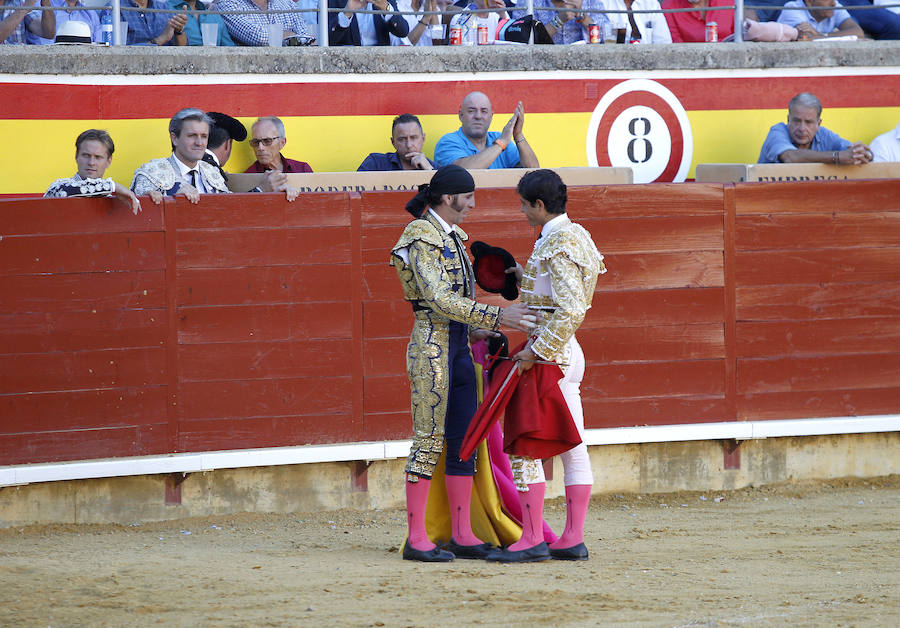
648	147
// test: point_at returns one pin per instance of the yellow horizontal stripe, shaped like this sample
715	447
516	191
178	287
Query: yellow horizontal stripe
340	143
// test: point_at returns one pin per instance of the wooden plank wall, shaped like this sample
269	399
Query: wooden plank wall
82	331
818	299
253	322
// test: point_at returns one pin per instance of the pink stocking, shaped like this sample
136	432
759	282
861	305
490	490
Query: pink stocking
578	496
532	517
416	501
459	494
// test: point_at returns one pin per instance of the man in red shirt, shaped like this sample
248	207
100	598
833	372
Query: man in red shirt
690	26
267	139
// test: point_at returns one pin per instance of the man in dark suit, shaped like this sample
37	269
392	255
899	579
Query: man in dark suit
349	28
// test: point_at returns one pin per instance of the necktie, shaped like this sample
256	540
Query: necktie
193	174
466	264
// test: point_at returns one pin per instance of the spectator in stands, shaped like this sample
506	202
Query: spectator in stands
469	21
473	146
886	147
226	130
816	19
803	140
153	29
568	27
875	23
93	155
640	25
422	28
690	26
75	11
15	23
197	14
267	138
407	138
350	28
253	29
184	171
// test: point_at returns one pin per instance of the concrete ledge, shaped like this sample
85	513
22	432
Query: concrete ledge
637	468
141	60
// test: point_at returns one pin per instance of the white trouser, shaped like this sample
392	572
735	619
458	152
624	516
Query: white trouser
576	462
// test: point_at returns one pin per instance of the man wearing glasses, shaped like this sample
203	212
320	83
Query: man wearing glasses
267	140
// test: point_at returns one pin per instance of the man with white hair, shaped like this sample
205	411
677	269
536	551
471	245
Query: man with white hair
267	138
804	140
184	171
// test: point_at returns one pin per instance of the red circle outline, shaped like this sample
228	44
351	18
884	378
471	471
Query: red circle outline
646	99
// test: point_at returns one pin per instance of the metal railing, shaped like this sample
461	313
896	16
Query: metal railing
323	10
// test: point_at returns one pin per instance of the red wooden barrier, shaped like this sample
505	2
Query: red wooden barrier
818	299
246	321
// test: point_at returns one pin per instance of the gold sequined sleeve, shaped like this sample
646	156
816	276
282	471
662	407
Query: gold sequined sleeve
571	307
434	285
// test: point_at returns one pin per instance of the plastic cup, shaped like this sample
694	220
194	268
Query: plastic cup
210	34
276	34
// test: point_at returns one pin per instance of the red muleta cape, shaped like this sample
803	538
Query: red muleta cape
537	420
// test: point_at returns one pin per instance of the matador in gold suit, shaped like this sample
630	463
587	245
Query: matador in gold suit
438	282
558	280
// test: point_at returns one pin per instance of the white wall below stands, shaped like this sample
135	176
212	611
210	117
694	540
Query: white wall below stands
219	483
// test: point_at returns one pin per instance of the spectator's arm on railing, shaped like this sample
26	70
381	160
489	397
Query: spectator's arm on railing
11	21
45	26
849	27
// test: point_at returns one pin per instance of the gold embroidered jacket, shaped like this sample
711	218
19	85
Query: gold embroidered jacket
560	278
435	276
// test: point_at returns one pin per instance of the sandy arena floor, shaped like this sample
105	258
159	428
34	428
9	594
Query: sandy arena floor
822	554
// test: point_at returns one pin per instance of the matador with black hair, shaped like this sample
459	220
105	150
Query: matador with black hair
437	279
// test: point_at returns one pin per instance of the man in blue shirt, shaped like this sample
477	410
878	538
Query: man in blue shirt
473	146
153	29
803	140
817	19
408	139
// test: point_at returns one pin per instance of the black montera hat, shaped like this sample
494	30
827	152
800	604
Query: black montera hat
234	128
490	267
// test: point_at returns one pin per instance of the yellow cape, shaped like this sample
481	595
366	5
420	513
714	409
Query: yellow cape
490	522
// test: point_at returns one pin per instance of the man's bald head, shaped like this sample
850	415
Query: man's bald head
475	115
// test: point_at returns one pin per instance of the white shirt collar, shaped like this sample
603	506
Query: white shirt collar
443	223
553	224
213	155
183	168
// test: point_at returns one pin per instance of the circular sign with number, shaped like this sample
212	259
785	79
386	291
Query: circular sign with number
640	124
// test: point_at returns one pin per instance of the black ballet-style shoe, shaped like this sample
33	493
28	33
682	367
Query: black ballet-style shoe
576	552
530	555
436	555
478	552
